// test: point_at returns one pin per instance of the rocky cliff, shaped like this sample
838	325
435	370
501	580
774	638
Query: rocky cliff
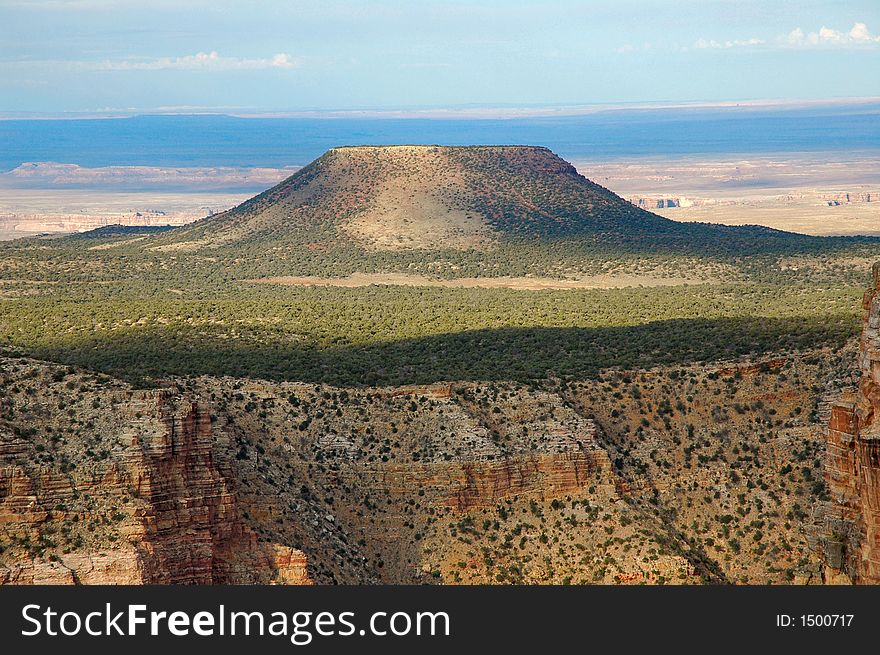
662	476
846	198
655	202
160	496
221	481
851	520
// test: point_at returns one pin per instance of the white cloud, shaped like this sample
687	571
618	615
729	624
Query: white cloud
284	60
205	61
96	5
796	36
201	61
859	35
704	44
859	32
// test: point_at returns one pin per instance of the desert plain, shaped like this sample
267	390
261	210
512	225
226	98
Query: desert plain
810	193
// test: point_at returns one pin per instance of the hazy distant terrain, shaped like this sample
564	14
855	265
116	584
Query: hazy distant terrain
823	194
27	212
820	195
605	135
57	198
778	166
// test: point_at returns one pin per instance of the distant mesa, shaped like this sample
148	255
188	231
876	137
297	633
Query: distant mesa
419	199
54	175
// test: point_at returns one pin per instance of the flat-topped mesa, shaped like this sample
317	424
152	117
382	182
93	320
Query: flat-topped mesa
337	212
419	197
421	147
532	155
851	539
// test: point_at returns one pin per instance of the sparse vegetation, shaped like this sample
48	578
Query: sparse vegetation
692	410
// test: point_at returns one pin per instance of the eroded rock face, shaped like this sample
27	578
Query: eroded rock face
225	480
851	539
482	484
182	523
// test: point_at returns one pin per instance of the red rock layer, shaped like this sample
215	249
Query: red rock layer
851	539
464	485
186	528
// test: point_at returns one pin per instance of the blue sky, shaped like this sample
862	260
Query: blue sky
142	55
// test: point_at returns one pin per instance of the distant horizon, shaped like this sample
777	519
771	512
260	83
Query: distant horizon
471	111
272	140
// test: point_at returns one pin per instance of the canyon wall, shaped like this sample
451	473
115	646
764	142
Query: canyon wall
659	202
851	520
168	492
465	485
108	485
225	480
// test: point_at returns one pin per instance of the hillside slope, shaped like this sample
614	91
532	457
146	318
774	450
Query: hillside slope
374	208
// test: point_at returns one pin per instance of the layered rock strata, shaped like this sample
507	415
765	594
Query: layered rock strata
851	521
181	524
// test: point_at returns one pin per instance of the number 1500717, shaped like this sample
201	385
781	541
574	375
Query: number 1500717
815	620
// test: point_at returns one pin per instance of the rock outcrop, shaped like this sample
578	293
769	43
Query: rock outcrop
653	202
851	521
480	484
182	524
846	198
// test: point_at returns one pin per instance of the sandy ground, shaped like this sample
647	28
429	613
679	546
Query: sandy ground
412	206
823	194
804	216
523	283
25	212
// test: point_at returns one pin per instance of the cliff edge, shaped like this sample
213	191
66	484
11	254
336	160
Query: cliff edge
851	526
